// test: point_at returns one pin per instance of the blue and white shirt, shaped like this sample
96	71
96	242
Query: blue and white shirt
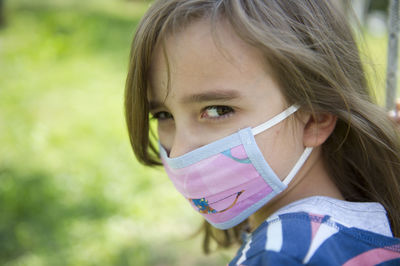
322	231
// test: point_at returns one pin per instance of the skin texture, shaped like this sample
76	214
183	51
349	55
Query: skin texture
204	75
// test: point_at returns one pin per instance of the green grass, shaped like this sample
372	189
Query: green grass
71	192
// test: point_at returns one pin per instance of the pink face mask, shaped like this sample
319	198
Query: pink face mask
228	180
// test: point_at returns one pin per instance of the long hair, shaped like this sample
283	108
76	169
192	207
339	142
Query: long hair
316	62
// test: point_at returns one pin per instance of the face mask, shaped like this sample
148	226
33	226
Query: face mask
228	180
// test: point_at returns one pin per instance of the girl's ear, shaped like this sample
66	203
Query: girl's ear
318	128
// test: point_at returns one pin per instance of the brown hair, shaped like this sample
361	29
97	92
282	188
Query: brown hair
317	64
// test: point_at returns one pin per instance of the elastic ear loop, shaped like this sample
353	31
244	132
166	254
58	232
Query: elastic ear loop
304	156
272	122
275	120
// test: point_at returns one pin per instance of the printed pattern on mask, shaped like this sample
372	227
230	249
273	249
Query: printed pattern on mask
203	206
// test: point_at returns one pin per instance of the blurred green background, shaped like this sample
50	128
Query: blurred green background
71	192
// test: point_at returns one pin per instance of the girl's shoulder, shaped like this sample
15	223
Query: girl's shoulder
301	237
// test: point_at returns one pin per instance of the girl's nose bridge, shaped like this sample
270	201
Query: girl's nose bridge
185	140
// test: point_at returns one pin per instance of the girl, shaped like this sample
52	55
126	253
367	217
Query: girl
266	126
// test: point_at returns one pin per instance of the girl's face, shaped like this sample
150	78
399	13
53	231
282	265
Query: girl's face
214	91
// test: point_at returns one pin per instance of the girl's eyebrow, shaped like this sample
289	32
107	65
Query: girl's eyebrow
215	95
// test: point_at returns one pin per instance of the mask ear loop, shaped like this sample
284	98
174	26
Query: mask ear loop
275	120
272	122
298	165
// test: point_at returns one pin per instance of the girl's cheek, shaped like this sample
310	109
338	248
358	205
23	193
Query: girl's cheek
166	136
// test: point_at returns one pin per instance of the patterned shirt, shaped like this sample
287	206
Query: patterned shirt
303	237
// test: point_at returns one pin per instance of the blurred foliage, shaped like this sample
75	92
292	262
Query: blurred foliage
381	5
71	192
2	20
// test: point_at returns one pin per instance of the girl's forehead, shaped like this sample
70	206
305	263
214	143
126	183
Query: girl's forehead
200	57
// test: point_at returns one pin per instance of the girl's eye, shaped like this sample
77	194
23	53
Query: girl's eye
215	112
160	116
